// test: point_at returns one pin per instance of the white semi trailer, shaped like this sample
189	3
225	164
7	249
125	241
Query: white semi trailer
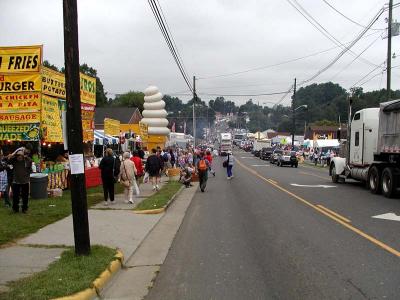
373	150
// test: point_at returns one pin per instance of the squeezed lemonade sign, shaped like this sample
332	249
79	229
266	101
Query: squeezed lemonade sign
51	121
18	132
20	59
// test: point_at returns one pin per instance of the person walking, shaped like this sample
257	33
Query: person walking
22	168
209	158
127	175
109	167
153	167
229	161
202	169
139	170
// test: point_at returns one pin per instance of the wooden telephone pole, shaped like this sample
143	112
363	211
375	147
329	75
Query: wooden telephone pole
74	128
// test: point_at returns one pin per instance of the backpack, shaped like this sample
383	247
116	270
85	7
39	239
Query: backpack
202	165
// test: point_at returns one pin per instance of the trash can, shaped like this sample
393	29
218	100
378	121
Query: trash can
39	185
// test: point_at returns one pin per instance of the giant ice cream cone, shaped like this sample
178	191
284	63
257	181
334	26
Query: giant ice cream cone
154	114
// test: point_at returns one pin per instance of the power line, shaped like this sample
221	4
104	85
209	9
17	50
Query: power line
355	58
347	18
345	50
322	29
277	64
365	76
166	34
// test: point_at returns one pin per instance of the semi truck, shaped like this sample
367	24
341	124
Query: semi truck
225	143
372	150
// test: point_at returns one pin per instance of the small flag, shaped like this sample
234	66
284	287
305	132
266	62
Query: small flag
173	127
184	127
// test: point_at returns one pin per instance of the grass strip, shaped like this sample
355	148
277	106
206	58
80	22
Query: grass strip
68	275
161	198
41	213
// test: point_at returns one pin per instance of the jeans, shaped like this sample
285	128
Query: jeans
229	171
108	188
23	191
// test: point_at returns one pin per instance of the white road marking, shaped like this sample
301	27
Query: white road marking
260	165
388	216
313	186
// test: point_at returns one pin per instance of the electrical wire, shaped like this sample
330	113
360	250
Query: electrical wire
347	18
322	29
380	12
277	64
365	76
166	34
355	58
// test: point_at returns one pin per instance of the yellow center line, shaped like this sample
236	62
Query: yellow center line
309	174
338	220
273	181
334	213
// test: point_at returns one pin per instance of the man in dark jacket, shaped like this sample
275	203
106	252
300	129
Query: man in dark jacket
154	166
109	167
22	168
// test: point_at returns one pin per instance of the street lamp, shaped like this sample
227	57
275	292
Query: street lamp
294	121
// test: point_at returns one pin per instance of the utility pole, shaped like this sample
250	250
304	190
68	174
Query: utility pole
293	116
74	128
389	53
194	116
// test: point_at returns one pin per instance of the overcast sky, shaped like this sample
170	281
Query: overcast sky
122	41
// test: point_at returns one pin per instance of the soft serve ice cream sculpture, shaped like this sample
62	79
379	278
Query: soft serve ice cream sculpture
154	114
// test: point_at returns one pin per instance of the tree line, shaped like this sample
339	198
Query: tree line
327	104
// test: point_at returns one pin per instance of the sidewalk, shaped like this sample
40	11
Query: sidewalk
113	225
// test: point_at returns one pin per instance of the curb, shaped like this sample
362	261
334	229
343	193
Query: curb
98	284
162	209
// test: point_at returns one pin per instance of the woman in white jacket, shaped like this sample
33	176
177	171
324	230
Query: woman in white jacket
127	173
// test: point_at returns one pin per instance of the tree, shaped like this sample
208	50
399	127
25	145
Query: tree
47	64
129	99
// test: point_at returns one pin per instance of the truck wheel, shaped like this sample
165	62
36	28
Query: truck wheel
334	176
388	183
374	180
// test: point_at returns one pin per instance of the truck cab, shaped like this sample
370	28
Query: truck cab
364	136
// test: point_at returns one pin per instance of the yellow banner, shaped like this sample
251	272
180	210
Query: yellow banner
53	83
18	132
20	118
21	101
51	120
20	59
88	89
20	83
88	135
111	127
144	131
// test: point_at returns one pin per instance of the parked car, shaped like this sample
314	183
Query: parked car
266	153
275	155
287	158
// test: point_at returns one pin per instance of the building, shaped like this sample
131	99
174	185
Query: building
126	115
316	132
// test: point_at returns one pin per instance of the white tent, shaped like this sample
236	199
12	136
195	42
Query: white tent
100	138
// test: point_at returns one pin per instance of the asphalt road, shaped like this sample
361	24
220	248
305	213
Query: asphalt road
266	234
